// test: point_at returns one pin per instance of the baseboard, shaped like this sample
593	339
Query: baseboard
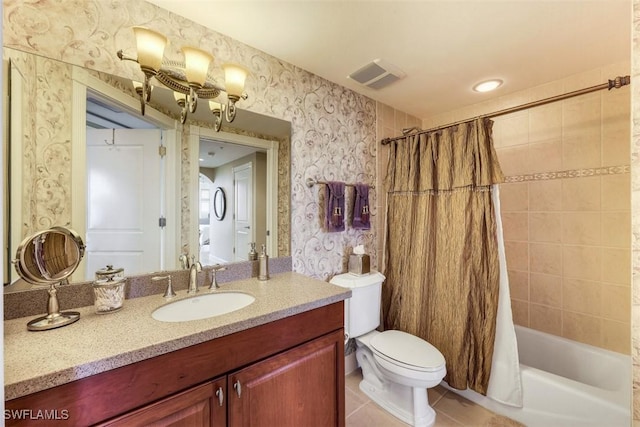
350	363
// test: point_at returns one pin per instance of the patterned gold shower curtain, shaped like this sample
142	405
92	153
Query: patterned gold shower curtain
441	254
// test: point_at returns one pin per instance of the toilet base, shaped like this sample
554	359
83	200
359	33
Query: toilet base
400	401
409	404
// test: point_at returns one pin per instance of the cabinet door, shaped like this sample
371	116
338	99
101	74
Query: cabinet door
200	406
300	387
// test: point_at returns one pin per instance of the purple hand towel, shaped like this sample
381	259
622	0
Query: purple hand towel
334	206
361	208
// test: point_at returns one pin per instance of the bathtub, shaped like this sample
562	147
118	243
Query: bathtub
566	383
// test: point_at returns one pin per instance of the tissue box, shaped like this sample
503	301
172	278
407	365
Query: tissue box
359	264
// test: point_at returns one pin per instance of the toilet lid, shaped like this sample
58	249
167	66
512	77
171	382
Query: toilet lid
408	350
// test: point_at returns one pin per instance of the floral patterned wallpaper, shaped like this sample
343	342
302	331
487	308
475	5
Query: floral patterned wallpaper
46	152
333	128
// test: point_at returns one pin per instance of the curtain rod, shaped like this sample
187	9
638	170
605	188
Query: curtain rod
616	83
311	182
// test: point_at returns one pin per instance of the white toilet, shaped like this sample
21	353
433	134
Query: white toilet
397	367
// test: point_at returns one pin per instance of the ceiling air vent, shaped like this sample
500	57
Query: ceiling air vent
377	74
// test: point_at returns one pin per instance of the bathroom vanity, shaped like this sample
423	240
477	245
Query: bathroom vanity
278	361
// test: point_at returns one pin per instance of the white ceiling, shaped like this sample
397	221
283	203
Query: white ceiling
215	153
443	46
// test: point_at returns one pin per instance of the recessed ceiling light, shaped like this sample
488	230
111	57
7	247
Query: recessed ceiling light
488	85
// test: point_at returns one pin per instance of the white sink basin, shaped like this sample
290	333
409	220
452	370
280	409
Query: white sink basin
202	306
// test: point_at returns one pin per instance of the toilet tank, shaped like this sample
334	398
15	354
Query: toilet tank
362	310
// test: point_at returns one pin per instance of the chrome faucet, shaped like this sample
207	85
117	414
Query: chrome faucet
184	261
195	268
168	293
214	280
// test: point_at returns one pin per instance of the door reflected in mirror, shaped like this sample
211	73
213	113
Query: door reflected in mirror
234	190
125	178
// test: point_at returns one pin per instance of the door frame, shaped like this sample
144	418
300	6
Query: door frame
271	147
14	109
252	209
169	239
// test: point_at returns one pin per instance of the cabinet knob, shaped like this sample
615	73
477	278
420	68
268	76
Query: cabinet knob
220	395
237	387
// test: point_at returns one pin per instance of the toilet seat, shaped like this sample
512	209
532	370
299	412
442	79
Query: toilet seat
406	351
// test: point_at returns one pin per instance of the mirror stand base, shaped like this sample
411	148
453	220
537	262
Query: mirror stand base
53	321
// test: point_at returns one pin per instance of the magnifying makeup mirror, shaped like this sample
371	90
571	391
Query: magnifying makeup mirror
48	258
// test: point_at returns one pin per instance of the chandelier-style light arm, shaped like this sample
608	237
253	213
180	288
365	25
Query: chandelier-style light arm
183	104
216	109
183	110
230	113
144	90
144	93
140	91
192	100
123	57
217	123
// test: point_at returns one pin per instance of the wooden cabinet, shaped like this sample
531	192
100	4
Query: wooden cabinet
296	388
289	372
200	406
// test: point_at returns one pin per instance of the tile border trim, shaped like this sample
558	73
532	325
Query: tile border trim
575	173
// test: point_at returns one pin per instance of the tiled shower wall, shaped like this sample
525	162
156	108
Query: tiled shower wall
566	214
566	207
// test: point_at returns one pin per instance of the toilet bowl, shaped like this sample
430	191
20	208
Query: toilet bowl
397	367
395	379
406	358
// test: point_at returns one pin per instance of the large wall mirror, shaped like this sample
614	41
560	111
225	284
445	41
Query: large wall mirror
76	138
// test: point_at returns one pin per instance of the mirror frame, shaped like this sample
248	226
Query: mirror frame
6	175
219	198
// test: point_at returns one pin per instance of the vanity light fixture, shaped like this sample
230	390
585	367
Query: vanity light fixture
488	86
188	81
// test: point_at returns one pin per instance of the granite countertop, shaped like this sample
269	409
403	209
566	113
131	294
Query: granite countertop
35	361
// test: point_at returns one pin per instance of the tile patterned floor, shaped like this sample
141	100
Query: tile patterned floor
451	409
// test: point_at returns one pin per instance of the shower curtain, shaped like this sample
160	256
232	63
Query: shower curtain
442	252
